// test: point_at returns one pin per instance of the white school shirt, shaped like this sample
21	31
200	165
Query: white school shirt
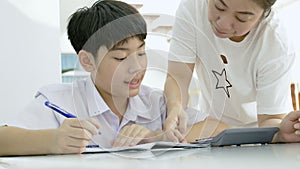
257	77
82	99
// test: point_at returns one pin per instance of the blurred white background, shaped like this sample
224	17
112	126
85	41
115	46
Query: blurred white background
30	51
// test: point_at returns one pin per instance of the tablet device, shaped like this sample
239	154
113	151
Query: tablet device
238	136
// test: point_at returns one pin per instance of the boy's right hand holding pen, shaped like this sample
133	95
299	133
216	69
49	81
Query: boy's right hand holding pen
74	135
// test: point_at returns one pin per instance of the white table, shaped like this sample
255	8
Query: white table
273	156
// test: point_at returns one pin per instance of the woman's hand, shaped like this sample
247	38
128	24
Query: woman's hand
176	121
289	129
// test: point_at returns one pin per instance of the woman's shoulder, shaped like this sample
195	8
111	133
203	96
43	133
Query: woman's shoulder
274	24
274	29
193	5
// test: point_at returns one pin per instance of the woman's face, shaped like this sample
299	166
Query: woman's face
233	18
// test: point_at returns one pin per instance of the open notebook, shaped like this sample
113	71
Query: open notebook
148	146
234	136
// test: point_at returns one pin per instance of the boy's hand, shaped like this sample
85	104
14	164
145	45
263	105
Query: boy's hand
74	135
134	134
289	128
131	135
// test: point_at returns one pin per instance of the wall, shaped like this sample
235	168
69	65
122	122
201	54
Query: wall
30	51
289	11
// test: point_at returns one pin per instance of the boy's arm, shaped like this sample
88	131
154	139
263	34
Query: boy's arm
71	137
19	141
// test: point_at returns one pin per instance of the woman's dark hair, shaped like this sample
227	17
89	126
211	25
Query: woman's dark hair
266	5
107	23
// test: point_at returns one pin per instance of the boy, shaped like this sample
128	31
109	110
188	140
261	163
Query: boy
109	40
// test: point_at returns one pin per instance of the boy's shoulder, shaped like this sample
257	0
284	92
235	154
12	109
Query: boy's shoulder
147	92
55	88
57	93
61	89
149	98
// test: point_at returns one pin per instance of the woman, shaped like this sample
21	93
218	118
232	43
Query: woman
243	60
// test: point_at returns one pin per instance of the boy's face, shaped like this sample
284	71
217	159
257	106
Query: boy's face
121	71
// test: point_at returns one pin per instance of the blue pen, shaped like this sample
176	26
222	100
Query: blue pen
61	111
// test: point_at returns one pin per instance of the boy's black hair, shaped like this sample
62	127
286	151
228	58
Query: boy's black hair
107	23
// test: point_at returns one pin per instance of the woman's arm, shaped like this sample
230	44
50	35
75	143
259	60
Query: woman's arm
176	90
270	120
289	126
208	128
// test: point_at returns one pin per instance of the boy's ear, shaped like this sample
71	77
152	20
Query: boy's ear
86	60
